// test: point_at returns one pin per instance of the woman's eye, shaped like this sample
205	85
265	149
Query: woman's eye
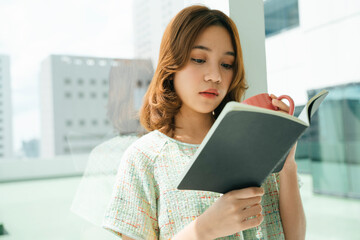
197	60
227	66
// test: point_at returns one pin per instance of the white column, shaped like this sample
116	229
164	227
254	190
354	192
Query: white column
249	18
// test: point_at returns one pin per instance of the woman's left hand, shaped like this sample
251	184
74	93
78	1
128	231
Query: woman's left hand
290	163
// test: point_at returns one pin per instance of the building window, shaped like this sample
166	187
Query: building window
93	95
68	94
82	122
92	81
139	84
80	81
90	62
78	61
105	94
94	122
102	63
66	59
66	150
81	95
67	81
105	82
280	15
68	123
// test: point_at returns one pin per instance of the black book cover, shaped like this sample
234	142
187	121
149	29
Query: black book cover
243	147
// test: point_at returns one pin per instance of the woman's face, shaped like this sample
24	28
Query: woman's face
204	81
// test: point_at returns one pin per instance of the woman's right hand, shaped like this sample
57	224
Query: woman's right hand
233	212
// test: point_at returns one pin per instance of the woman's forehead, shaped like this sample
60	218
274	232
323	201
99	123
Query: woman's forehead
214	38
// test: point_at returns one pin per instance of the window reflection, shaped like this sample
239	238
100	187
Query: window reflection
280	15
331	146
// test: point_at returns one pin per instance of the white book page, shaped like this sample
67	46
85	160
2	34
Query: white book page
304	115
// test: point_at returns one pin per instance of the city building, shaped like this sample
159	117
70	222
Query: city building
6	146
151	19
79	110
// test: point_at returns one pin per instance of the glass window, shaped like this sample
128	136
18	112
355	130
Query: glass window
82	122
280	15
68	123
67	81
92	81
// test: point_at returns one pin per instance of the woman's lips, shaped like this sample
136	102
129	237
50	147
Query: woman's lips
210	93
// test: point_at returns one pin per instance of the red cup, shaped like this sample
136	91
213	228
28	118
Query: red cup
265	101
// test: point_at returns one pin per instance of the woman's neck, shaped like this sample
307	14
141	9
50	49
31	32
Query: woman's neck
192	128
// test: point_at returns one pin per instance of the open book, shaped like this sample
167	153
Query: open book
244	146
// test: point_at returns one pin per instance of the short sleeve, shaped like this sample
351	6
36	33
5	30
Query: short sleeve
132	210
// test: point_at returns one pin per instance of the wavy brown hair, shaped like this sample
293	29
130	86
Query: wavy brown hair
161	103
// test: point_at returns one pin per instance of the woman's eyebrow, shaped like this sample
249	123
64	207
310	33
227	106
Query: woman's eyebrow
208	49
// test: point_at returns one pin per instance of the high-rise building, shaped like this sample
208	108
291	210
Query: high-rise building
76	112
5	108
151	19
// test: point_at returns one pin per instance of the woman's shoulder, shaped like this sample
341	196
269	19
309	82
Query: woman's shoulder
144	151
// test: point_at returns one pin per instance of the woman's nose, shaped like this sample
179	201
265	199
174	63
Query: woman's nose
213	75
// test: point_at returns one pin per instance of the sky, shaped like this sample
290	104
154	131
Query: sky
32	30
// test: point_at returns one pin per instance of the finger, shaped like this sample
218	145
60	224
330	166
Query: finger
281	105
250	202
252	211
253	222
273	96
248	192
